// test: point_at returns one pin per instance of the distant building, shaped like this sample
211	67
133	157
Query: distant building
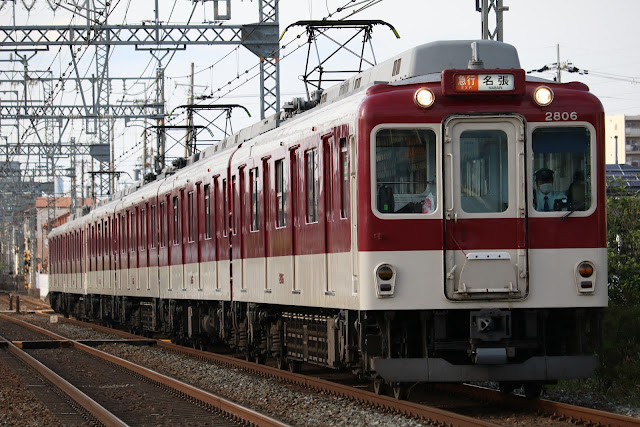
625	130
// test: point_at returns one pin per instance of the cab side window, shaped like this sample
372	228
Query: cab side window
405	164
561	169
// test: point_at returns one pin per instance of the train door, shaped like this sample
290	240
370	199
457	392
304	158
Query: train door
485	208
191	246
176	252
237	233
114	251
99	257
124	244
327	190
152	244
143	249
134	236
75	250
164	245
107	253
281	215
223	252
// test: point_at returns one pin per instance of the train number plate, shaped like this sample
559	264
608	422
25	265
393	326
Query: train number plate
484	82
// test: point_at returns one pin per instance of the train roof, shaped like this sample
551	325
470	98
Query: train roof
429	59
419	64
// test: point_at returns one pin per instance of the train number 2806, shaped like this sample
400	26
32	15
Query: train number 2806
551	116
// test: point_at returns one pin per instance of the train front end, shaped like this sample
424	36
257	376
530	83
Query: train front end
481	221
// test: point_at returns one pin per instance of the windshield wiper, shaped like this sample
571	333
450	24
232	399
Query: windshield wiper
565	216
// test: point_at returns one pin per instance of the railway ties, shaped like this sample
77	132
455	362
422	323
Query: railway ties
554	410
112	391
473	407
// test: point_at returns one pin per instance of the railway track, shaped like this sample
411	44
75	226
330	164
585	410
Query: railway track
385	404
549	411
113	391
55	402
556	410
11	301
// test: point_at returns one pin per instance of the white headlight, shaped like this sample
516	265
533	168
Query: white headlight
543	96
424	97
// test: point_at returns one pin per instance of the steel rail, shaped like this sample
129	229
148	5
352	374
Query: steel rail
234	410
92	407
423	412
563	411
36	302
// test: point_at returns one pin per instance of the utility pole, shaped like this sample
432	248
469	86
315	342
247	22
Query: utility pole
112	157
74	197
189	135
160	158
559	76
145	164
33	223
559	67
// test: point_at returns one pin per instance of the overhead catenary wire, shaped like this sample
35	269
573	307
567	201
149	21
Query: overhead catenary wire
56	90
80	52
172	118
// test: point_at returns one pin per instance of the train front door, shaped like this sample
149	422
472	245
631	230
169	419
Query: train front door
485	208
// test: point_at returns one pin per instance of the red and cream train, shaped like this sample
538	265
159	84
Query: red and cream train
391	229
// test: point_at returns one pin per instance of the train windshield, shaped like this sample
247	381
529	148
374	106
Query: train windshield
561	169
484	171
405	171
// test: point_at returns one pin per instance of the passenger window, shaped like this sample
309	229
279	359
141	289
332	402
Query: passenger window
405	171
344	179
134	232
163	224
225	207
143	228
234	215
280	194
255	206
154	225
484	171
561	169
191	214
207	211
123	236
311	178
176	221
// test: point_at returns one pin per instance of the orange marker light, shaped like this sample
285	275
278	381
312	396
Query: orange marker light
585	269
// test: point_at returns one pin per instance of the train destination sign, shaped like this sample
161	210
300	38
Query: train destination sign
484	82
507	82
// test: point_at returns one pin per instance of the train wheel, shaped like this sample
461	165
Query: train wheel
532	390
294	366
507	387
281	363
378	386
400	391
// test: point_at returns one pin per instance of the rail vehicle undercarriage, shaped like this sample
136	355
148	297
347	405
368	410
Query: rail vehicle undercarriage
529	347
